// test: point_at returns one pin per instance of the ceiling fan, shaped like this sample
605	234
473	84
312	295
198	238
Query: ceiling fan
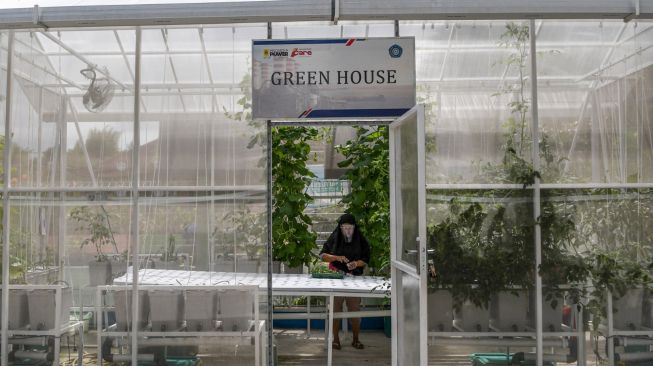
99	92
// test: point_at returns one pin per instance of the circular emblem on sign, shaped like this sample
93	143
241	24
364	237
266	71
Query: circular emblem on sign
395	51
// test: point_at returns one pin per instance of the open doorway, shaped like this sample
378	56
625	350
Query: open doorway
319	172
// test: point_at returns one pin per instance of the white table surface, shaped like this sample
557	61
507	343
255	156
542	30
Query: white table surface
280	282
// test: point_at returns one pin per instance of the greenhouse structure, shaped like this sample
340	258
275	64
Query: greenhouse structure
153	214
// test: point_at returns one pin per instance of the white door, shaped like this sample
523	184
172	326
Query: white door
408	239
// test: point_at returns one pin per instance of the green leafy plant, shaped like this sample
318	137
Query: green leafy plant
170	251
366	158
616	275
98	226
244	228
292	237
485	244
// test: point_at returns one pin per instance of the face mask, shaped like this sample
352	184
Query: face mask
348	234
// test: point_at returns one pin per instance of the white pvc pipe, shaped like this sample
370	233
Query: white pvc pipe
535	147
634	356
635	341
191	341
361	314
550	357
515	342
38	341
135	235
33	355
610	330
589	185
5	204
127	358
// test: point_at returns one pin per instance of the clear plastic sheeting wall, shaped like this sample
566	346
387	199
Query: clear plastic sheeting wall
595	150
199	208
197	216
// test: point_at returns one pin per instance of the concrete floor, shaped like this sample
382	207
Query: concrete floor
295	348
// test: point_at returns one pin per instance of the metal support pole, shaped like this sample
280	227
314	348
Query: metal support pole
609	336
63	163
536	196
269	246
135	183
98	323
42	210
57	323
6	164
330	336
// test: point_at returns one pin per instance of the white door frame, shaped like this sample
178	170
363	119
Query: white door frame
414	115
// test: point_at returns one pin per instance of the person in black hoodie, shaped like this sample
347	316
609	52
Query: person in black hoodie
348	251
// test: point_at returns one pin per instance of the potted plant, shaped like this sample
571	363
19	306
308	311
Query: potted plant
626	280
168	256
245	230
97	226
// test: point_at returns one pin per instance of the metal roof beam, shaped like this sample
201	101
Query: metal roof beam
167	14
317	10
492	9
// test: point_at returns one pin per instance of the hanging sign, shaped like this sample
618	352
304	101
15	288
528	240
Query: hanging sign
333	78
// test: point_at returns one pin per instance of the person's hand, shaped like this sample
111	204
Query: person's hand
352	265
342	258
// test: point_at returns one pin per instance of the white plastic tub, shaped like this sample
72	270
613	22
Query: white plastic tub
472	318
509	311
42	305
123	304
236	309
166	309
18	311
440	311
200	310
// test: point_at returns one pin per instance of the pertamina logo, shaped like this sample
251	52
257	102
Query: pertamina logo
301	52
275	52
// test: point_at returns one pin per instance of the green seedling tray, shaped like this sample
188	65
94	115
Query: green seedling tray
336	275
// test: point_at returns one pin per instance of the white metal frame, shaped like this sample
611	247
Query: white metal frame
611	334
518	339
316	10
257	331
282	10
397	264
61	326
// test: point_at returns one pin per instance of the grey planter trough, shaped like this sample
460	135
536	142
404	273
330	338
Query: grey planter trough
99	273
236	309
509	311
18	311
440	311
166	309
123	304
472	318
42	307
551	315
200	310
628	310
